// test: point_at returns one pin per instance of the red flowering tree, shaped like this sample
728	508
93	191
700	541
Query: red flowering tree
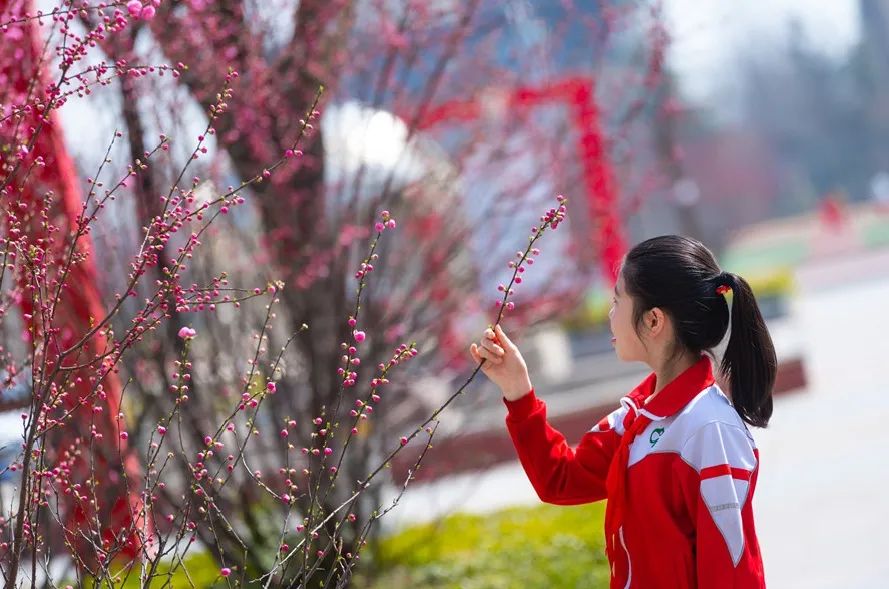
235	370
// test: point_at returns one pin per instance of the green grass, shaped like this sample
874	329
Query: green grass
540	547
532	548
198	569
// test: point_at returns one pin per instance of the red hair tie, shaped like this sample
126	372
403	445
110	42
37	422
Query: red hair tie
723	289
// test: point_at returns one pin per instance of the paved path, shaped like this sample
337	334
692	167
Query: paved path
821	505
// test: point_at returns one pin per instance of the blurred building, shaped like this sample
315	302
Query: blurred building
875	66
875	50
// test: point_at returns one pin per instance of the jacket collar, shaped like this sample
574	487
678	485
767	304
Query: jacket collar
676	395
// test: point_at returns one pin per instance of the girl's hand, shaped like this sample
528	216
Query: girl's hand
503	363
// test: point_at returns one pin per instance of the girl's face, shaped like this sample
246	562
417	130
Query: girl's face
626	342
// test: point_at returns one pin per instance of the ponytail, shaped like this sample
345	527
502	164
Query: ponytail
749	361
681	276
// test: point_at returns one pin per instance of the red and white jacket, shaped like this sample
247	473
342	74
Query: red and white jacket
683	471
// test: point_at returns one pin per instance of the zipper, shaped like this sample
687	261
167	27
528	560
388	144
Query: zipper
629	562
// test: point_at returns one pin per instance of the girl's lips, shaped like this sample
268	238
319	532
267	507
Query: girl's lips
613	339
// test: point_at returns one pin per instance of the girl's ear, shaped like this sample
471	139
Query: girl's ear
656	321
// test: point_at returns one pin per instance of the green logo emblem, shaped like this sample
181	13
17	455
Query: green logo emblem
655	436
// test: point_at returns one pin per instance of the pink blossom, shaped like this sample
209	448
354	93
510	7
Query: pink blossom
187	333
148	13
134	7
359	336
271	387
225	571
403	441
379	227
161	430
124	435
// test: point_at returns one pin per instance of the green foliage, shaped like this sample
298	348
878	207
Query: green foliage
545	547
592	314
198	569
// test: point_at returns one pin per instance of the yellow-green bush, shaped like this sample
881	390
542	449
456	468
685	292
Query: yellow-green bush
539	547
593	312
198	569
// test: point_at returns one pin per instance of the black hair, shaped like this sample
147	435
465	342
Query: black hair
680	276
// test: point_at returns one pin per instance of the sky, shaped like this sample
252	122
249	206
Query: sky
709	34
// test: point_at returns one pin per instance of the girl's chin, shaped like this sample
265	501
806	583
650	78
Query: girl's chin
621	355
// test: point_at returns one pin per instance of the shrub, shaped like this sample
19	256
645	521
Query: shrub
538	547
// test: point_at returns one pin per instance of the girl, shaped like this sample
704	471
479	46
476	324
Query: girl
675	460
